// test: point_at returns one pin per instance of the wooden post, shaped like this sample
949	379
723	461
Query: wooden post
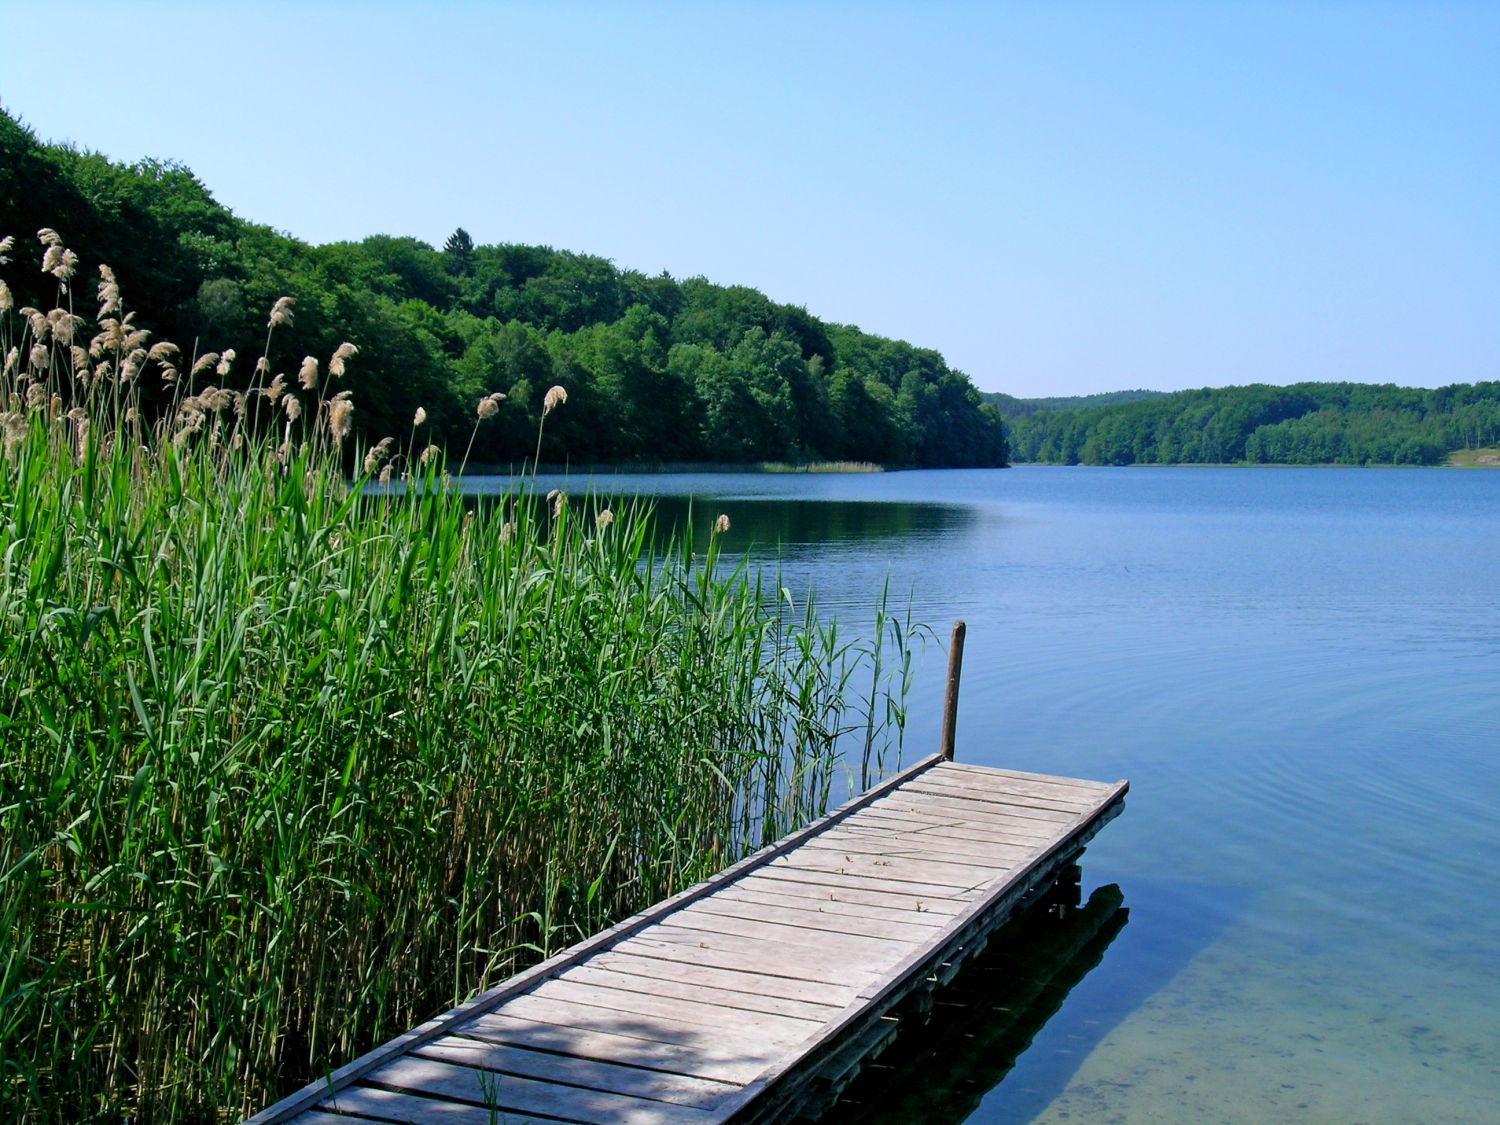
950	701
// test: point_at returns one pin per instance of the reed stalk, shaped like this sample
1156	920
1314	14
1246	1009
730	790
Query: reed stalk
290	763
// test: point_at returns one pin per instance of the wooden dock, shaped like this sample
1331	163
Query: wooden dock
754	996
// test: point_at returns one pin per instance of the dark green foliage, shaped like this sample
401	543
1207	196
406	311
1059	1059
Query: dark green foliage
460	251
1304	424
656	370
1012	407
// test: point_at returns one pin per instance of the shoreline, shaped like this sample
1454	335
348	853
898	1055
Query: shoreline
1459	459
1490	462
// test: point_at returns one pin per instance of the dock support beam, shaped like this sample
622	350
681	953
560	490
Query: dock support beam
950	700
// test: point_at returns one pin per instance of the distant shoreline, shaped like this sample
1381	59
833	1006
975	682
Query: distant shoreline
669	468
1463	459
1474	459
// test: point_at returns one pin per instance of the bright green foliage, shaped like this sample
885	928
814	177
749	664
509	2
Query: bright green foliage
290	764
1303	424
438	328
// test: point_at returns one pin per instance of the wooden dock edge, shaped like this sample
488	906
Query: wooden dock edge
311	1095
864	1028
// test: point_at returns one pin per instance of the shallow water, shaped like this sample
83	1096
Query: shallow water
1299	671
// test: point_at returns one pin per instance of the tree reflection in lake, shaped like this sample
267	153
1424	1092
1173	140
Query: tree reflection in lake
775	526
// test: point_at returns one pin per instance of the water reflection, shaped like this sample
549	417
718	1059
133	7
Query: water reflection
980	1026
765	525
775	525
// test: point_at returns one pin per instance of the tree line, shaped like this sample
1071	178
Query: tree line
1301	424
1012	407
656	369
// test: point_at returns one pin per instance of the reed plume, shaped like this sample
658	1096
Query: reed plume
487	407
341	354
66	265
109	292
291	762
554	398
340	417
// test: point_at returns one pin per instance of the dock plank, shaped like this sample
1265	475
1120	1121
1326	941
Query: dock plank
716	1018
788	975
585	1014
372	1103
980	812
679	963
734	1067
1098	788
883	842
802	962
1050	796
616	973
812	917
727	1001
943	827
1012	819
490	1090
830	906
586	1073
976	808
848	888
842	882
839	939
955	878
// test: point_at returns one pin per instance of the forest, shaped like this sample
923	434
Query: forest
1301	424
657	370
1013	407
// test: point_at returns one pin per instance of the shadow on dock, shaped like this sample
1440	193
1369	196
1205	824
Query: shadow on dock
982	1023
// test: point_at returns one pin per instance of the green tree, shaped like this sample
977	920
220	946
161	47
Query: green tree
459	252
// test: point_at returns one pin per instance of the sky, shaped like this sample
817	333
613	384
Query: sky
1063	198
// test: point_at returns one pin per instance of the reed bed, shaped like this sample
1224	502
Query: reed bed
820	467
290	763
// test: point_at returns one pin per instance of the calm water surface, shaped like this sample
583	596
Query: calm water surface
1299	671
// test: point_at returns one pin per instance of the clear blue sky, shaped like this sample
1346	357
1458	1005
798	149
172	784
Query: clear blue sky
1062	198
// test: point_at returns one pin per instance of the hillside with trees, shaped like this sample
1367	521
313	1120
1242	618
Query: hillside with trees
1012	407
1302	424
656	369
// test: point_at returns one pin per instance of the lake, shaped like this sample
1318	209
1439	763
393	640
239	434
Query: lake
1299	672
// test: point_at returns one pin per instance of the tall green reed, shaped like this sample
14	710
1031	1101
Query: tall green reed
290	762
